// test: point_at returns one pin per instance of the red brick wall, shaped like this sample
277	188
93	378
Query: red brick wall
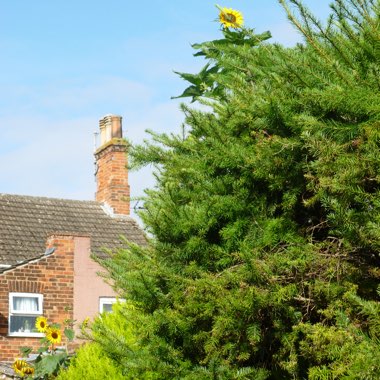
112	176
52	276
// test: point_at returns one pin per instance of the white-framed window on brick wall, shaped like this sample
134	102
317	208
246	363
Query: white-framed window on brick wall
24	309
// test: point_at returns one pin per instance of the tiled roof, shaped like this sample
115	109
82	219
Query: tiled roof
26	222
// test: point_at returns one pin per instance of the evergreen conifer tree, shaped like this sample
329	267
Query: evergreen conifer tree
265	221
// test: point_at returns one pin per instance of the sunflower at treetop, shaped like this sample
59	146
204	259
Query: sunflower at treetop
19	365
230	18
54	335
41	324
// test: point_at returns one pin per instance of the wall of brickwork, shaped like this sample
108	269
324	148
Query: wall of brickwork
52	276
112	176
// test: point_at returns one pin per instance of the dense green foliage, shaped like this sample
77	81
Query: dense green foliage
264	261
85	365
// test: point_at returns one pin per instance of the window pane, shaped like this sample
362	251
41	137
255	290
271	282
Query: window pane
20	324
107	307
25	304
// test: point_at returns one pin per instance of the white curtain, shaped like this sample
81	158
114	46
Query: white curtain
25	304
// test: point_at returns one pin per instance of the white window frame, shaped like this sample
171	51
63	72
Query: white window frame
107	301
13	312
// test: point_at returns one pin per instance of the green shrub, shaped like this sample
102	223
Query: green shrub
91	363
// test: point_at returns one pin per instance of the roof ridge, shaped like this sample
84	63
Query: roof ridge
48	198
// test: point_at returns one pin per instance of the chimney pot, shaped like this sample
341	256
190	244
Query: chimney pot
110	127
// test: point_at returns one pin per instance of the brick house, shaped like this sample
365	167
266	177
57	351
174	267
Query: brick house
46	243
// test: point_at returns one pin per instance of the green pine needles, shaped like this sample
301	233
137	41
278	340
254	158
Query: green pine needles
264	260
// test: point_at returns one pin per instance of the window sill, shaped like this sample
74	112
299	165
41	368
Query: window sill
25	335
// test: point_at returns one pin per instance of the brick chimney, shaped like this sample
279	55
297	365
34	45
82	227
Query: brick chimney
111	162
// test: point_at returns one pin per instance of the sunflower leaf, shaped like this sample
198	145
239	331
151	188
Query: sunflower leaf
192	91
49	364
25	351
43	349
192	78
69	334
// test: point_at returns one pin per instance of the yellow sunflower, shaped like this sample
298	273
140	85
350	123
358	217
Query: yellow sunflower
54	335
19	365
41	324
230	18
86	322
28	371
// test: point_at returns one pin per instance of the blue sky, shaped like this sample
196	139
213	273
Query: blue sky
67	63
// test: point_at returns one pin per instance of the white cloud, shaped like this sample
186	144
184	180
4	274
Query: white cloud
49	156
105	90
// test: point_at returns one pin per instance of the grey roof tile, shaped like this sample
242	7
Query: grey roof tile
26	222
